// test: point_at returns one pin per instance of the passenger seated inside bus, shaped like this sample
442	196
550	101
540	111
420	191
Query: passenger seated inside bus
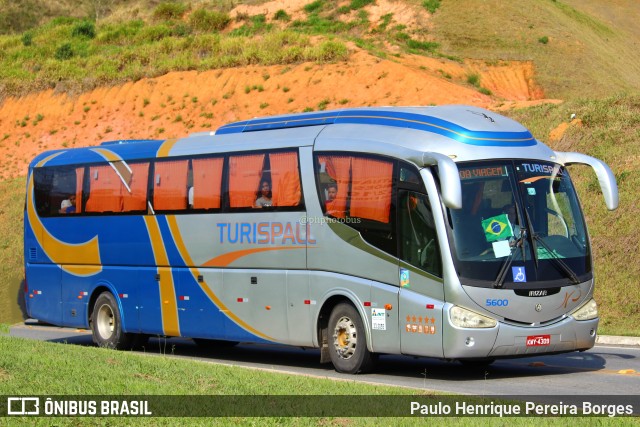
332	192
264	196
68	205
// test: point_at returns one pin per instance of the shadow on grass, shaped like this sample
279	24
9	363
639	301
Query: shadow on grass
269	356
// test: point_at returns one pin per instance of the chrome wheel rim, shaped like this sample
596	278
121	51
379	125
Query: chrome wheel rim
345	337
105	321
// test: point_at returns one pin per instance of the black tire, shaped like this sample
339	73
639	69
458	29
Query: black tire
348	341
106	325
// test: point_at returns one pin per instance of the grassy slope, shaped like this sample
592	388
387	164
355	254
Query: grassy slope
11	258
586	55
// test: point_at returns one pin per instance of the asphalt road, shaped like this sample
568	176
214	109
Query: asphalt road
603	370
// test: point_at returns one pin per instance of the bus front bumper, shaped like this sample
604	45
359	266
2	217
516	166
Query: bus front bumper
508	340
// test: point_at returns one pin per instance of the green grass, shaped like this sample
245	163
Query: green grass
11	256
177	36
135	49
29	367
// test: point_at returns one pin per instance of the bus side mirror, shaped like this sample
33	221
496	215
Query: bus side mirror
605	177
449	178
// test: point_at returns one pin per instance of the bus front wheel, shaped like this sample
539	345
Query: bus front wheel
106	324
348	342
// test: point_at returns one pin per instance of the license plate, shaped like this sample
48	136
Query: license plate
538	340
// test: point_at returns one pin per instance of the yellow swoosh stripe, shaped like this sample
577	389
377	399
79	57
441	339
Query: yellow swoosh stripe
109	155
177	237
166	146
168	303
59	252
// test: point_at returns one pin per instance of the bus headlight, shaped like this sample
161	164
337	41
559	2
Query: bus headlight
463	318
588	311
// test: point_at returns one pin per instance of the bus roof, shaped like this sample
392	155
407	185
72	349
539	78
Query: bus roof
458	131
465	124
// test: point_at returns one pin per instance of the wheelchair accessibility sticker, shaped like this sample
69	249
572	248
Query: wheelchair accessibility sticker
519	275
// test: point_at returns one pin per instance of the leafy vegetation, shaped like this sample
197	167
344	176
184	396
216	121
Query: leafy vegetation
169	10
207	21
431	5
82	53
130	50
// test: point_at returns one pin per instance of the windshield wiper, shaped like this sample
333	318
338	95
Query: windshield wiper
554	256
502	274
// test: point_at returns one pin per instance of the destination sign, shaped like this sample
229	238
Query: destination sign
483	172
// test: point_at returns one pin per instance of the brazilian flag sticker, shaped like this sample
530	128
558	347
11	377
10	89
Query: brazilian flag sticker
497	228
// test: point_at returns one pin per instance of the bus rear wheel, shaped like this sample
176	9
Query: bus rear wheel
348	342
106	324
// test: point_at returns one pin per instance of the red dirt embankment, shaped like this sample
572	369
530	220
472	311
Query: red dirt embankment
180	103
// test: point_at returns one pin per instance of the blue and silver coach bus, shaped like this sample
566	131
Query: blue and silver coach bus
446	232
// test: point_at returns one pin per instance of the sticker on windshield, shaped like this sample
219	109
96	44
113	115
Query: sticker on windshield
497	228
519	275
531	191
501	248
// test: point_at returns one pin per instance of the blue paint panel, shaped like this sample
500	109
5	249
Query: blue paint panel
43	301
386	118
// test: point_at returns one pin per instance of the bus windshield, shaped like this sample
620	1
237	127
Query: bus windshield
520	227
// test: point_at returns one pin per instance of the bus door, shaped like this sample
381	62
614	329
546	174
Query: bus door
420	276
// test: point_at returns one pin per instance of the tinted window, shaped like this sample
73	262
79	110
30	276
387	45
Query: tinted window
357	189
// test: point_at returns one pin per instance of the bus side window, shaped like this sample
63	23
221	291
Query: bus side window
371	189
285	178
245	173
338	170
105	194
205	193
136	199
363	186
170	185
53	185
419	242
